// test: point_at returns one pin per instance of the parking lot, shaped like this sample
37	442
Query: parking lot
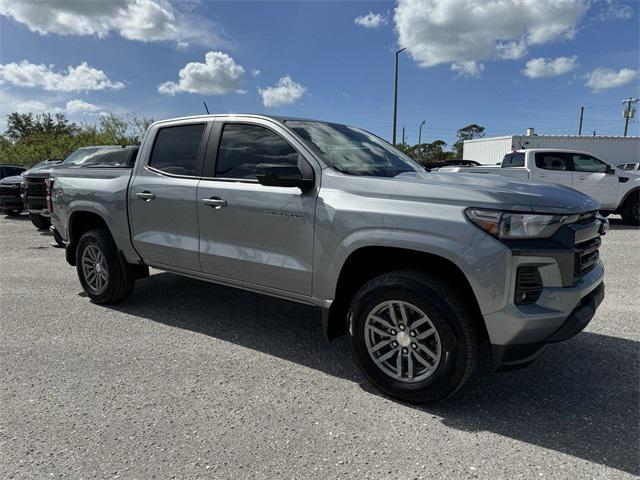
193	380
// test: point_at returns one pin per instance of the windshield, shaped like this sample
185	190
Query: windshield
353	151
89	156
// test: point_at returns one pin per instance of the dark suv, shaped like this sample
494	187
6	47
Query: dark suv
10	179
34	188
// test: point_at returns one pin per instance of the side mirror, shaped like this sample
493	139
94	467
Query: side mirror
283	175
610	169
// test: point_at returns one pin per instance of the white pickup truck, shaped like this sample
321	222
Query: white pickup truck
616	190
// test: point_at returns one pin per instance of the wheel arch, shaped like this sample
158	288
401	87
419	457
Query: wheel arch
368	262
80	222
634	191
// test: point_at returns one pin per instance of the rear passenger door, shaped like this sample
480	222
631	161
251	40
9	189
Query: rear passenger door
162	197
553	167
250	232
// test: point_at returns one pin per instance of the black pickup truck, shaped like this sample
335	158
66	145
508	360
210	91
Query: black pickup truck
34	187
10	180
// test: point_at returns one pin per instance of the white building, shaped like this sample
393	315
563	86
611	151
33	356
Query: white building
613	150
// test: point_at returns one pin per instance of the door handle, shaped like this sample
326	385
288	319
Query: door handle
582	178
215	202
146	196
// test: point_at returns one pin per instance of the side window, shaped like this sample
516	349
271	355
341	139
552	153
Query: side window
244	146
175	150
14	171
552	161
587	163
513	160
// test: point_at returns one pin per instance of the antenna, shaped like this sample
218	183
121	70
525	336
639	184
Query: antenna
206	108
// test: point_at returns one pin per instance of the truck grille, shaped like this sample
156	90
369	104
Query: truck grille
587	255
10	191
36	189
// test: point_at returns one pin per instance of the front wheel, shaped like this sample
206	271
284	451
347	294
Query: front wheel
40	222
104	277
412	336
631	209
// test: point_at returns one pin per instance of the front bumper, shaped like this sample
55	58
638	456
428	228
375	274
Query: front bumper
570	286
516	355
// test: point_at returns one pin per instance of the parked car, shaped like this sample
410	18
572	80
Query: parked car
10	170
34	189
615	190
630	167
10	199
417	268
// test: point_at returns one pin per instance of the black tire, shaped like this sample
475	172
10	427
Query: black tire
630	211
13	213
40	222
119	280
605	213
447	314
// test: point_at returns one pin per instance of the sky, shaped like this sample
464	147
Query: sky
503	64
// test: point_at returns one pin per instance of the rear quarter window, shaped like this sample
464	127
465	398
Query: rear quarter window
513	160
175	150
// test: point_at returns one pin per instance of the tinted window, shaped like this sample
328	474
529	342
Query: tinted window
587	163
107	158
242	147
552	161
11	171
175	150
513	160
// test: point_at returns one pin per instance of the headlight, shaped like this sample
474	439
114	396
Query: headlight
511	225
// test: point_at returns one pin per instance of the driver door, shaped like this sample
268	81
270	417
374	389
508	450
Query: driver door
593	177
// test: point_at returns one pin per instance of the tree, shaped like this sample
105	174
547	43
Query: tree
467	133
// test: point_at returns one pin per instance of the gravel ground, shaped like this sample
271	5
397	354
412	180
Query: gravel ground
192	380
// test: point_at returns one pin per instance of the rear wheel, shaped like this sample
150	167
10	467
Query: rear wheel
412	336
104	277
631	209
40	222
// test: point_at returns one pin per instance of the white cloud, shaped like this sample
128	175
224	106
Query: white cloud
467	69
457	31
143	20
285	92
604	78
550	67
31	106
370	20
219	74
79	106
81	77
613	10
255	72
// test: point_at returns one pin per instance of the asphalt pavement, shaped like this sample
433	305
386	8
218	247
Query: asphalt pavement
192	380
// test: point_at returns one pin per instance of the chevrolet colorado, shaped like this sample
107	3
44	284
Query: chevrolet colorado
615	190
419	269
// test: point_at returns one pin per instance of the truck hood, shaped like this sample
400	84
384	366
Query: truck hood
469	190
16	179
41	170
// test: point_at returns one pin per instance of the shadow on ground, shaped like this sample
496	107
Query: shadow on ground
580	398
618	224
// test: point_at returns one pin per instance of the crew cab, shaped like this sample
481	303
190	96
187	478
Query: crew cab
616	190
419	269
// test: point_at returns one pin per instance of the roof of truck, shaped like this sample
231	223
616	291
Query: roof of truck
277	118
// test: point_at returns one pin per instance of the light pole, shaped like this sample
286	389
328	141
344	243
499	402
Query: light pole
395	96
420	132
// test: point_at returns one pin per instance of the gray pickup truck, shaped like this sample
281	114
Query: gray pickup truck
419	269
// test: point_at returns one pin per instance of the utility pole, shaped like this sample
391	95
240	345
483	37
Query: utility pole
581	116
420	132
629	111
395	96
403	135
